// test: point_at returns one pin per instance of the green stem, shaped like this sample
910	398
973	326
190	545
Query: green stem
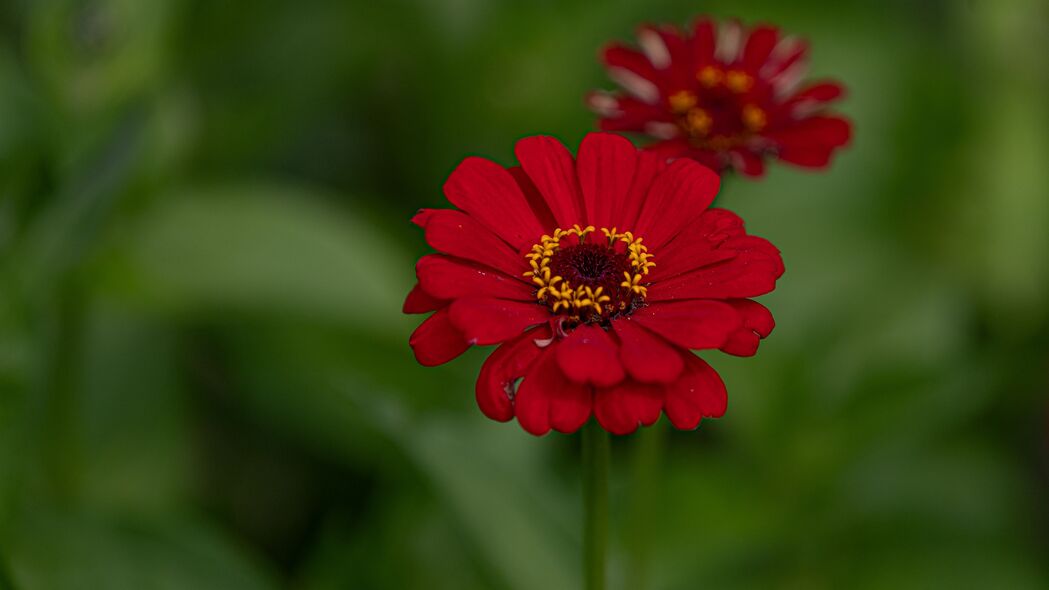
644	488
596	452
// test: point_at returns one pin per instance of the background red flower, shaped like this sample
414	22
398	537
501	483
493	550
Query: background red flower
723	94
595	276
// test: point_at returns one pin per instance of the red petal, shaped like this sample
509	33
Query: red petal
589	355
752	272
759	45
634	115
509	362
491	321
700	393
552	169
489	194
606	168
546	399
458	234
818	92
813	132
645	356
703	36
436	341
747	163
418	301
757	324
622	408
669	53
755	316
422	217
444	277
698	245
788	52
678	195
741	343
649	167
818	157
691	324
617	55
535	200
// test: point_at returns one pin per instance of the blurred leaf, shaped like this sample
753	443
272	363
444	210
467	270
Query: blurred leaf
265	249
96	54
130	414
60	551
491	476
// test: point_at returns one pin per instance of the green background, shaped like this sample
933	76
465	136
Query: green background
204	246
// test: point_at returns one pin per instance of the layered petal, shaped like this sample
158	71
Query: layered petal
751	272
605	166
418	301
677	196
457	234
757	323
487	321
647	358
551	168
444	277
691	324
698	245
589	355
621	409
699	393
496	384
535	200
546	399
490	195
436	341
649	166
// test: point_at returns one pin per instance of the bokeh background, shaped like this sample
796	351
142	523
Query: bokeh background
204	245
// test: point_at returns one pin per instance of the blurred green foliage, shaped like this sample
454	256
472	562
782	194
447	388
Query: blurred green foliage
204	376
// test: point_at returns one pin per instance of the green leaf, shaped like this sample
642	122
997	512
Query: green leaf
60	551
265	249
493	479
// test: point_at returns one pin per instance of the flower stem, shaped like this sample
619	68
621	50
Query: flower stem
596	452
645	473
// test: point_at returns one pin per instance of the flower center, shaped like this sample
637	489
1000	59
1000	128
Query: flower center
590	278
719	113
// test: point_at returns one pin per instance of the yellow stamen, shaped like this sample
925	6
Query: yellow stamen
709	76
738	81
754	118
584	303
682	101
698	122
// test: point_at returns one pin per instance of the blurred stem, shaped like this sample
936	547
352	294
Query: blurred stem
63	349
596	452
644	475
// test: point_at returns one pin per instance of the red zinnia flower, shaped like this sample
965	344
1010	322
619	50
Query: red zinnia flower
596	276
723	95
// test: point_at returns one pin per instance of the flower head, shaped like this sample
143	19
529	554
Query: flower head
595	276
724	95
